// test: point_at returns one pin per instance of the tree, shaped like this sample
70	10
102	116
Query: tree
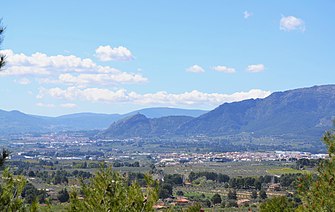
29	193
253	194
165	190
216	199
63	195
232	195
3	156
11	189
109	191
180	193
2	57
31	173
262	194
318	192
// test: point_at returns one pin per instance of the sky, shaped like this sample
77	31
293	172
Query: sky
117	56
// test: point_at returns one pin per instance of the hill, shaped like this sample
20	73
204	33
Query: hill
140	126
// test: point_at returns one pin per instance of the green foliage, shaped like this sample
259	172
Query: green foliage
288	180
262	194
63	195
232	195
216	199
165	190
3	156
175	179
232	204
10	192
254	194
218	177
180	193
303	162
277	204
318	192
193	208
31	194
11	189
109	191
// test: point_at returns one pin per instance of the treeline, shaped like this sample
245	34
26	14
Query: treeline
220	178
304	162
54	177
285	180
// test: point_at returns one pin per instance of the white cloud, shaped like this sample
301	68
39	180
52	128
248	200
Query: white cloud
101	79
68	105
195	69
289	23
224	69
23	81
192	98
65	69
256	68
247	14
39	63
108	53
40	104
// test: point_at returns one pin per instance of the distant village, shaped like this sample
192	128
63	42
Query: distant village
51	146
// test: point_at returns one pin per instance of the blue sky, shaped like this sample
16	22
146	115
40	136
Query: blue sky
117	56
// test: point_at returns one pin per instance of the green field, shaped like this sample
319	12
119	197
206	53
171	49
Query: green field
233	169
281	171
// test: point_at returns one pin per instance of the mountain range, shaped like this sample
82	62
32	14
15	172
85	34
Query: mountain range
16	122
298	113
304	113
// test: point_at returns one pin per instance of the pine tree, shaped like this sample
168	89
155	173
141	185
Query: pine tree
108	190
318	192
2	57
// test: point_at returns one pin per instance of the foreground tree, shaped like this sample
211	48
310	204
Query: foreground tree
109	191
318	192
2	57
11	189
277	204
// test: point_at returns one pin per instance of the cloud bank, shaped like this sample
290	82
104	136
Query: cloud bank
65	69
192	98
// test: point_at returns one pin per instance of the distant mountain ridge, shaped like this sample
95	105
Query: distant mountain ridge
140	125
12	122
306	110
298	113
